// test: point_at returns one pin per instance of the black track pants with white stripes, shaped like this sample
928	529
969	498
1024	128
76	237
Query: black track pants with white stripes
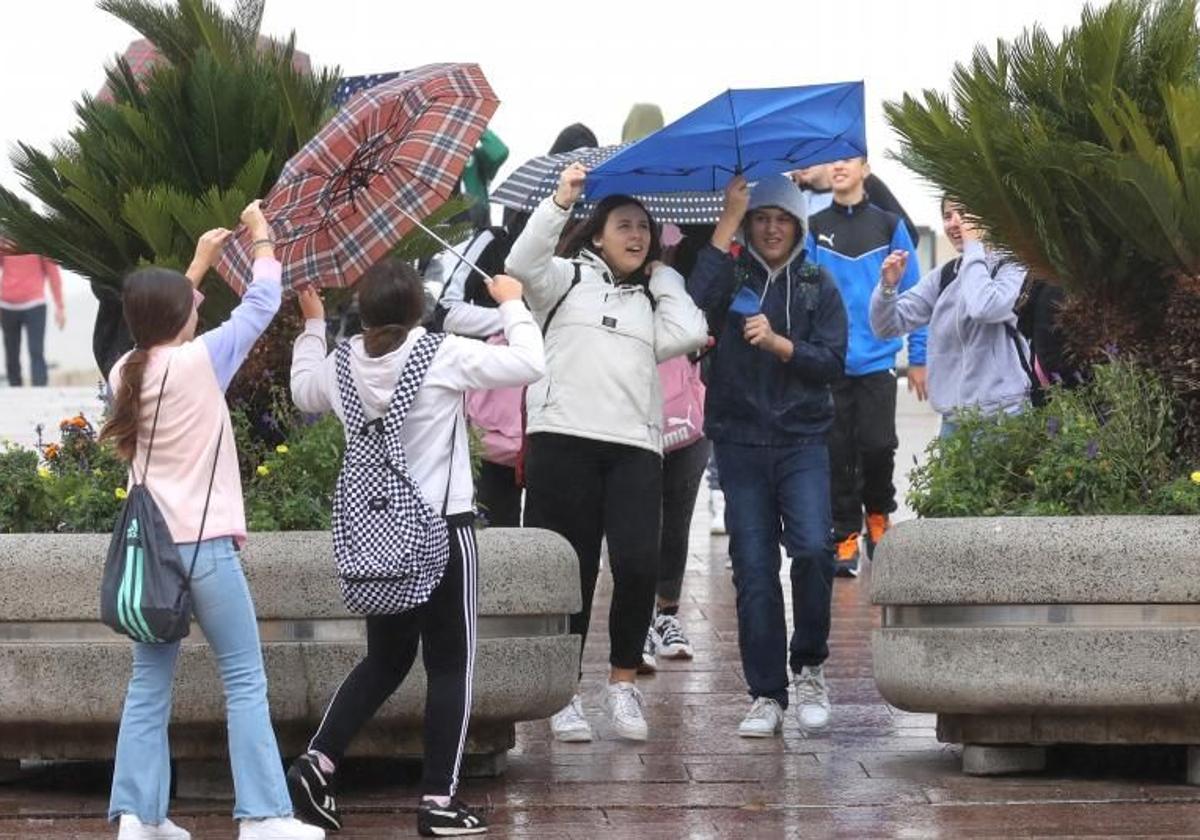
445	626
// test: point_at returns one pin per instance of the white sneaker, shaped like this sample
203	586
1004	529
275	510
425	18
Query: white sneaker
624	703
764	719
279	828
570	725
131	828
672	642
649	653
716	512
812	698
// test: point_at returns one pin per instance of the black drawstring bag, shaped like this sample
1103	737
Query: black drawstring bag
145	592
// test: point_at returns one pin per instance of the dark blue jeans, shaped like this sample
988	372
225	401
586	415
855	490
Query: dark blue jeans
777	495
33	322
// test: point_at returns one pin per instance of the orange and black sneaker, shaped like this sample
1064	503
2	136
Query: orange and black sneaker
847	557
877	525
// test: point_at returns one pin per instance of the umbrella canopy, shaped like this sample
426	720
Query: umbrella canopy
750	132
392	155
537	178
142	57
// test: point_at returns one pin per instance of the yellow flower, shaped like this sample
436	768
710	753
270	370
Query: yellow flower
44	472
263	469
282	449
1196	477
120	493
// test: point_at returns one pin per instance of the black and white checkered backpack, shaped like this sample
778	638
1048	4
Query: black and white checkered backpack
390	546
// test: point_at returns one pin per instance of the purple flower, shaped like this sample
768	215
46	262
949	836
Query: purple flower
1052	426
1111	349
1093	449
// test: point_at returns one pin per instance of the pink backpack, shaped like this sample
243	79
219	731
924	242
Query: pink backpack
683	403
496	413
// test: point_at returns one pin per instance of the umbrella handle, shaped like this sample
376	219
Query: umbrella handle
486	277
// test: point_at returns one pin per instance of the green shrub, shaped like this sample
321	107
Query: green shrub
1105	448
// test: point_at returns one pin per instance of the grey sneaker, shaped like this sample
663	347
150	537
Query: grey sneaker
812	698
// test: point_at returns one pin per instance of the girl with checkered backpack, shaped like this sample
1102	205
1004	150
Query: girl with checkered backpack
403	532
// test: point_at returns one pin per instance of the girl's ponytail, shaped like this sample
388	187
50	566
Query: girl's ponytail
158	303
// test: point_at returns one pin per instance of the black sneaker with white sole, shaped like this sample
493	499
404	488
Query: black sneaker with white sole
453	820
312	793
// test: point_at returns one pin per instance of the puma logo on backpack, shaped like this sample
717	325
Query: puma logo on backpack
389	545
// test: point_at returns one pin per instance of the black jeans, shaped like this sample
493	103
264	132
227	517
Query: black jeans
33	322
862	450
587	490
445	627
683	470
498	495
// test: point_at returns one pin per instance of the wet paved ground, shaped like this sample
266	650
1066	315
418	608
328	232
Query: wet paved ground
877	772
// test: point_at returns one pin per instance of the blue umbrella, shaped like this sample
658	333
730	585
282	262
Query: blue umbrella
750	132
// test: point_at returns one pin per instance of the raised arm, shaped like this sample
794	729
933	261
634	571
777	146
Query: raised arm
313	377
894	314
910	276
711	281
476	364
532	260
986	298
230	343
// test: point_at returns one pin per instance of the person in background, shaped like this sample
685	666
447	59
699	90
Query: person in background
781	343
23	282
817	183
851	238
483	164
975	356
610	312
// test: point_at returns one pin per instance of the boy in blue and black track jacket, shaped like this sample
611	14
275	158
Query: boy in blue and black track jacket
850	239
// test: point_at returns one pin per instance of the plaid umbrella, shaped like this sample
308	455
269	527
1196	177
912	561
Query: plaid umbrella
536	179
392	156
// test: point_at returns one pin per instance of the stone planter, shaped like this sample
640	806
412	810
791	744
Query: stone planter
1025	632
63	674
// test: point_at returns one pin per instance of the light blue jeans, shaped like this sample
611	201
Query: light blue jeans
222	606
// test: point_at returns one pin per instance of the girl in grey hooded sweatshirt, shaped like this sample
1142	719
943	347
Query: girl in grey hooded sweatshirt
974	352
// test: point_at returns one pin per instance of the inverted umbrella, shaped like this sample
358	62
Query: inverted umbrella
749	132
391	157
537	178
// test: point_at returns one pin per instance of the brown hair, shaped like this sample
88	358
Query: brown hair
391	301
157	303
581	236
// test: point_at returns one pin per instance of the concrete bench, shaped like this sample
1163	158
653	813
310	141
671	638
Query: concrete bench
1025	632
63	674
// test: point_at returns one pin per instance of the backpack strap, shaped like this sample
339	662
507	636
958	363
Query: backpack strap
554	309
352	407
411	377
153	427
949	274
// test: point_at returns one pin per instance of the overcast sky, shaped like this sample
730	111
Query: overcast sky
554	63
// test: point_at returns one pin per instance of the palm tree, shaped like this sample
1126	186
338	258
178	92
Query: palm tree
1082	157
176	152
